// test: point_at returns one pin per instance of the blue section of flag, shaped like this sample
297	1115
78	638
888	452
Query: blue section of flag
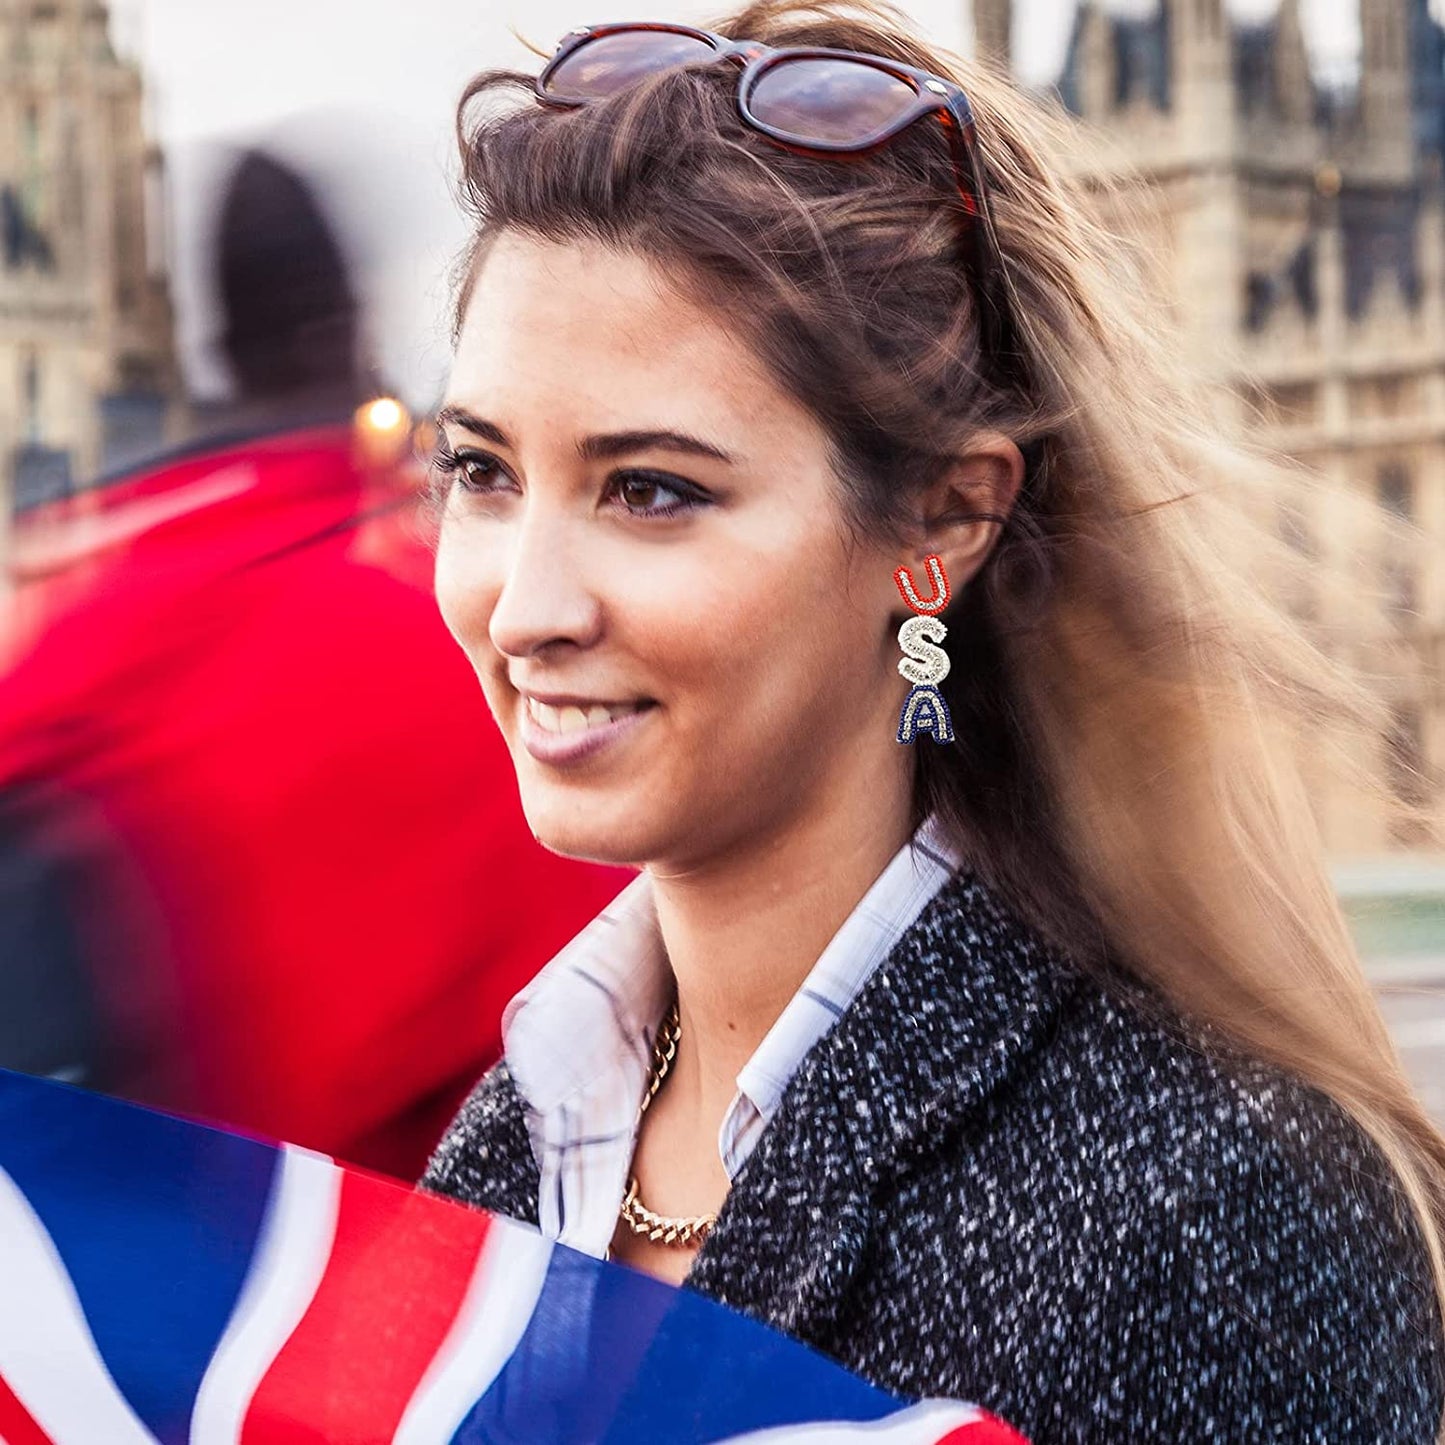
155	1220
744	1377
612	1356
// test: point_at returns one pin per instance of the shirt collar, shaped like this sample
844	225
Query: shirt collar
899	894
606	989
578	1039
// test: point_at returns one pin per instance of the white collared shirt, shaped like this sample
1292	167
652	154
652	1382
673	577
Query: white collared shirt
578	1039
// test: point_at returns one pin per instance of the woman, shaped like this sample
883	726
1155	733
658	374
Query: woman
1034	1067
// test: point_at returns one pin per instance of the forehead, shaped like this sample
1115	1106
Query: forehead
604	337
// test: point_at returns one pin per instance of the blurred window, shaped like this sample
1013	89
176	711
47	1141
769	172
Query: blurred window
23	200
30	399
1297	533
42	474
1382	397
1290	403
1395	492
32	192
1408	777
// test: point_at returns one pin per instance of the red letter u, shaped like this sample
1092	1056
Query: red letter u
935	604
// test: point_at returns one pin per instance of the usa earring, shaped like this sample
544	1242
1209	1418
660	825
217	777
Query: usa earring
924	664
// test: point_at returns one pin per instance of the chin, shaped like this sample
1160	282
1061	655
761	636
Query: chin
588	830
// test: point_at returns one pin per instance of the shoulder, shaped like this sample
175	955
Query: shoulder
1199	1118
1144	1233
485	1157
1275	1246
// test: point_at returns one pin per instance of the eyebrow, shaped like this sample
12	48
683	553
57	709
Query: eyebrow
604	446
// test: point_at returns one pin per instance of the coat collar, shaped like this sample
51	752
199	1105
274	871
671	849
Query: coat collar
965	996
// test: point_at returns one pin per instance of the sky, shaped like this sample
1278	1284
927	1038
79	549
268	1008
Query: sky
361	93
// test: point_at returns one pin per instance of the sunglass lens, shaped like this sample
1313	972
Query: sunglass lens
830	102
610	63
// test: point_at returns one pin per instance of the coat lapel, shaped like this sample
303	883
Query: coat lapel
961	1001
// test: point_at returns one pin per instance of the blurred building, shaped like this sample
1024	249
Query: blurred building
87	369
1299	224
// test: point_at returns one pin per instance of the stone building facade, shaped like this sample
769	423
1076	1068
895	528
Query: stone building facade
1302	232
87	367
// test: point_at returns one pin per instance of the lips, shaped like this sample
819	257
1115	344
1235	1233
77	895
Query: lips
572	732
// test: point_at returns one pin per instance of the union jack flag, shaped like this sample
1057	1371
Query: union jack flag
164	1283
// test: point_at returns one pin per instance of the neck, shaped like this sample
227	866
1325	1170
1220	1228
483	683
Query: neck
743	932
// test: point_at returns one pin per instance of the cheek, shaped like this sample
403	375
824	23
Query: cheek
779	654
466	586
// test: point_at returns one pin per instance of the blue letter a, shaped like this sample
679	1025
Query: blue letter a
924	710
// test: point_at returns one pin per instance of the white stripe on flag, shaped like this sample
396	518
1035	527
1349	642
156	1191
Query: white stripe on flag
286	1270
48	1355
920	1424
506	1282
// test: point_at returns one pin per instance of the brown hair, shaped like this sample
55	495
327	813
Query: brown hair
1129	702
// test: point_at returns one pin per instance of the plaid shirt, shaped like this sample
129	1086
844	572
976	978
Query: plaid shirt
578	1039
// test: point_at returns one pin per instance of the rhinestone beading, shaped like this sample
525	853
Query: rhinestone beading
924	663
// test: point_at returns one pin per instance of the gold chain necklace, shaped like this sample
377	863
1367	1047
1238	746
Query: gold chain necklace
663	1228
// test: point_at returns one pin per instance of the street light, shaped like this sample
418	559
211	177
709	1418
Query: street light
383	428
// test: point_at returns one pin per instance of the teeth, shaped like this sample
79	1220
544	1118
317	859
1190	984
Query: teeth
572	719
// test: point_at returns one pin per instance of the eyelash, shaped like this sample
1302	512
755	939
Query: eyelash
454	465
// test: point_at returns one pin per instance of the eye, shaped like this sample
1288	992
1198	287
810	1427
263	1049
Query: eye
657	494
469	469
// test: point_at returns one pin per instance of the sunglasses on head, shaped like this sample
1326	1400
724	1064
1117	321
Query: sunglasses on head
821	102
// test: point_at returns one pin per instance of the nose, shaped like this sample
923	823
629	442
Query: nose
545	596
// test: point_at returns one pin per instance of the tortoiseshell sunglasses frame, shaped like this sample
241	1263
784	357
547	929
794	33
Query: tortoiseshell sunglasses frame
935	95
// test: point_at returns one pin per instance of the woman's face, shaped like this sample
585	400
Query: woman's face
643	554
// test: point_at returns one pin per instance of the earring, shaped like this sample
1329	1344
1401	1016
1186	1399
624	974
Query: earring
936	577
925	664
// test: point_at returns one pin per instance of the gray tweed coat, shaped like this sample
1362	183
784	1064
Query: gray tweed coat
997	1181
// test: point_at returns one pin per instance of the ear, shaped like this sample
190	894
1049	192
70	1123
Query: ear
960	515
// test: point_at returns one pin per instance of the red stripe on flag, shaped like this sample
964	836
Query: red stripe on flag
398	1273
983	1431
17	1424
